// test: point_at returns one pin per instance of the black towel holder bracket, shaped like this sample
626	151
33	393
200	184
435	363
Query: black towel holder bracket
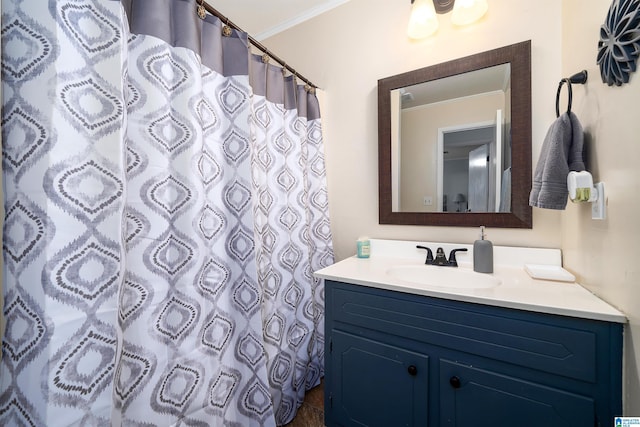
578	78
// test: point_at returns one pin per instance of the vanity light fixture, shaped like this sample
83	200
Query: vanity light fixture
467	12
423	20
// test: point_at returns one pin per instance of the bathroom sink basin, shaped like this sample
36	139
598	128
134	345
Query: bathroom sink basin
444	277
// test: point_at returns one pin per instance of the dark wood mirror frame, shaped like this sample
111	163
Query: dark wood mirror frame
519	56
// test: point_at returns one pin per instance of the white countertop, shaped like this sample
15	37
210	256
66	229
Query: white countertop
516	289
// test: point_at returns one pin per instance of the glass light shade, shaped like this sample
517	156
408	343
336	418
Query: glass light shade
423	20
466	12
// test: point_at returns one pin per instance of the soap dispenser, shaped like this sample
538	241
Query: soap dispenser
482	254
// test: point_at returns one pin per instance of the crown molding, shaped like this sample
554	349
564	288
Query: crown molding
308	14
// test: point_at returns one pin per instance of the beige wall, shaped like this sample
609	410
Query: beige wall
604	254
347	50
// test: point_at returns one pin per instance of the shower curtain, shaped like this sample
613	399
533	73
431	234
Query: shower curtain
166	205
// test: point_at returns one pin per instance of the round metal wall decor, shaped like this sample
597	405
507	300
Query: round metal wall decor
619	44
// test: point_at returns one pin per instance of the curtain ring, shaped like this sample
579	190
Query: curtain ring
568	82
202	12
265	58
226	28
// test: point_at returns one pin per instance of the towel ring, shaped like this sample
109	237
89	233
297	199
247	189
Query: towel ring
579	78
568	82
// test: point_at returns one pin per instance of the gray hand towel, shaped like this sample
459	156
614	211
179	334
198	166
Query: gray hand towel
561	153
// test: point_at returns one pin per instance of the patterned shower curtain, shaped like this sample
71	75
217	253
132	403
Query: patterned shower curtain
166	206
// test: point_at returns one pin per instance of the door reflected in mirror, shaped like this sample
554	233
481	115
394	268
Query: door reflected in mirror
452	146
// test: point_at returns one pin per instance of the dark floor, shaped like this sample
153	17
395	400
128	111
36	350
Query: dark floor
311	413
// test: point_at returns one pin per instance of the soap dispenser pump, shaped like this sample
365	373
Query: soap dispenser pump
482	254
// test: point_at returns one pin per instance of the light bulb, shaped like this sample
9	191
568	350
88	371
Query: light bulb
466	12
423	20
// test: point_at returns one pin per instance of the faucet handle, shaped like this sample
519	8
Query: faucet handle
452	256
429	259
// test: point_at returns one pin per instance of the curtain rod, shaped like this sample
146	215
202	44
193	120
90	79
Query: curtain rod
254	42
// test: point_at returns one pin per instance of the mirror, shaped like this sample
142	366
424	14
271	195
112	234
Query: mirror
451	154
454	142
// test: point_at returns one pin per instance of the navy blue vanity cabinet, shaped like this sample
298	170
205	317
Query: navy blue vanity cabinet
485	397
396	359
378	384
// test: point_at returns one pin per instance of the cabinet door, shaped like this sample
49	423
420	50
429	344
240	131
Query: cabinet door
376	384
481	398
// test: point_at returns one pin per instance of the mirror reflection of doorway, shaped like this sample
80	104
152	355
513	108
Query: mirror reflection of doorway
468	180
471	161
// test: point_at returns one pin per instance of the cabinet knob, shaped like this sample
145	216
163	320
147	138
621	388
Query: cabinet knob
455	382
413	371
